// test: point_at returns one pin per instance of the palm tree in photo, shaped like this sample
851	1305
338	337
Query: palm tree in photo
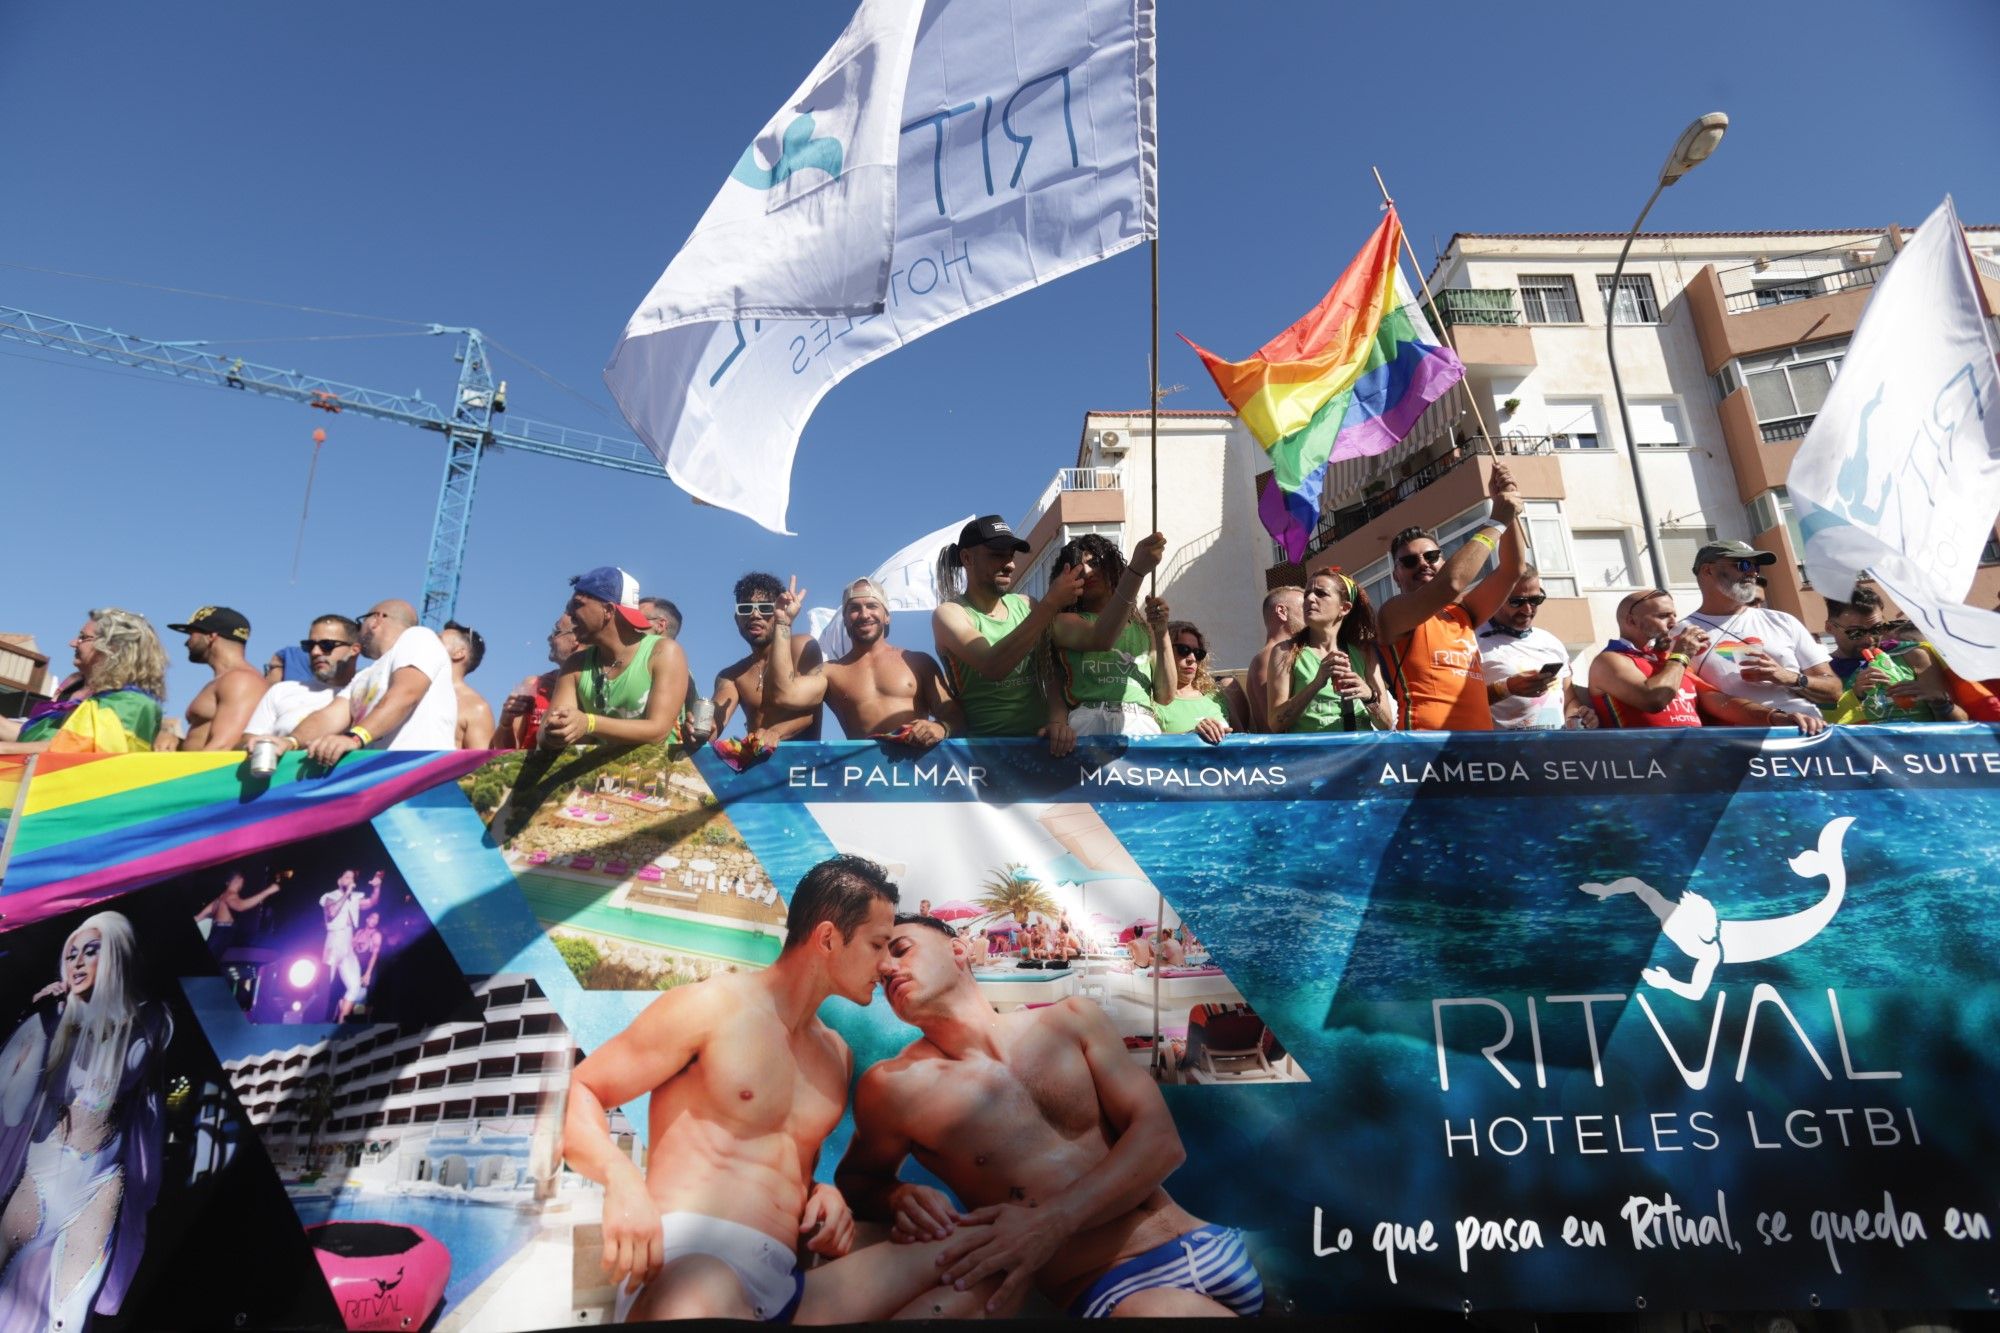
1014	889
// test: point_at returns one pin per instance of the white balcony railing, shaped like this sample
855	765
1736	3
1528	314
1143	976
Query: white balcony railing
1071	479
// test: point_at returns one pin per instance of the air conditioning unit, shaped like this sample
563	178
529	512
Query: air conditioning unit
1111	442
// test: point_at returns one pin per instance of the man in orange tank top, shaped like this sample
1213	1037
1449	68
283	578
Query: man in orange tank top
1428	630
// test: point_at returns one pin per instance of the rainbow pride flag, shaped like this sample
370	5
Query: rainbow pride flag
91	826
1348	380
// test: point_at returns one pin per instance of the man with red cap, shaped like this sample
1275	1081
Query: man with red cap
626	684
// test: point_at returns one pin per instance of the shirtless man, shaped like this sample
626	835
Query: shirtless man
218	715
467	649
217	919
745	1084
1041	1123
1284	613
741	684
876	689
1141	949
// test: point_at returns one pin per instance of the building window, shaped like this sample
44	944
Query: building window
487	1108
1774	509
1781	291
1788	387
1550	298
1657	423
1604	559
458	1110
1636	304
534	1025
527	1103
532	1062
1549	547
1677	551
400	1116
1573	423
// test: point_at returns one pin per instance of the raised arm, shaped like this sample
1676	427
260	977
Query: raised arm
1281	706
1083	636
1166	674
786	684
1405	611
955	636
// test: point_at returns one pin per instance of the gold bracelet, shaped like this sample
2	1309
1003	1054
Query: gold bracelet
1682	658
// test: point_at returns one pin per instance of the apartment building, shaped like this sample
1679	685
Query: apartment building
25	678
456	1104
1727	344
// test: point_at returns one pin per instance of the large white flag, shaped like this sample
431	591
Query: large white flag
1025	148
1900	473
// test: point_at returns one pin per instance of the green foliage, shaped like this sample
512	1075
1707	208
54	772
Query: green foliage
1013	890
581	955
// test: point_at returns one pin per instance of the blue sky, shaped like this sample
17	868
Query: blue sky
531	170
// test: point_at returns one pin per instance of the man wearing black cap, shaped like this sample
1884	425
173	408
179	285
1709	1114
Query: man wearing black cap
1754	652
218	715
986	636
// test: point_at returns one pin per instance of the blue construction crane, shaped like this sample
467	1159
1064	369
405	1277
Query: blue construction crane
467	427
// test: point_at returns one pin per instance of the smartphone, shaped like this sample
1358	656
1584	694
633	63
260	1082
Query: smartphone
1550	669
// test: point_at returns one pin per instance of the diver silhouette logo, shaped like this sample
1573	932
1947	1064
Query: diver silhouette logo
383	1286
799	151
1699	930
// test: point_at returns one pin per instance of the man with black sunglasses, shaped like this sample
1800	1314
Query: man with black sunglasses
1526	667
1430	652
331	647
741	683
1755	653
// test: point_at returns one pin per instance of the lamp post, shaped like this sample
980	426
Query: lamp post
1697	141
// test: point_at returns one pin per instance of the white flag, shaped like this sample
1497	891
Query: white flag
1026	148
908	580
1900	473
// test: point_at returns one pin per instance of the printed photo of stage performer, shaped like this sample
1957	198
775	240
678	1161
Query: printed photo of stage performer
323	931
115	1131
743	1084
1054	1142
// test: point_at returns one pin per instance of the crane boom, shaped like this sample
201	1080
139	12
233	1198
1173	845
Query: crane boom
468	425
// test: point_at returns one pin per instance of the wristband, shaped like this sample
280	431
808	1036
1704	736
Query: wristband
1494	524
362	734
1486	539
590	724
1682	658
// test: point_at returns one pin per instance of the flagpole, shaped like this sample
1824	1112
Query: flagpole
1444	326
1153	368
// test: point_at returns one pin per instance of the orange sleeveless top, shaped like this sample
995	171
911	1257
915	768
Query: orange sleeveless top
1434	672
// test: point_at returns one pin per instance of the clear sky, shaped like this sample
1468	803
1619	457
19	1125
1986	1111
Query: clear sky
530	170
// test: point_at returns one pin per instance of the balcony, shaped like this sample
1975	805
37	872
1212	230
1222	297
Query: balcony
1805	289
1486	327
1783	432
1392	493
1076	495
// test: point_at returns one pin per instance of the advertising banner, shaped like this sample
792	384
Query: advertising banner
1571	1022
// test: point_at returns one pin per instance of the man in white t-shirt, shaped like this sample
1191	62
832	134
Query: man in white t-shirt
1526	667
403	700
333	647
342	906
1756	653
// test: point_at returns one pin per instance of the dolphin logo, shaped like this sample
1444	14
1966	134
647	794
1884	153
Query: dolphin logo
799	151
1702	934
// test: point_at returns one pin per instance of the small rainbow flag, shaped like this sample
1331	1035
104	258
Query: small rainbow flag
1350	379
92	826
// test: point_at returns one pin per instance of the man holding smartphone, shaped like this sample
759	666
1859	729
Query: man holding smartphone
1526	667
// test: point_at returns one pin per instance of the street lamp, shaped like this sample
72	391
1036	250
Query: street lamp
1697	141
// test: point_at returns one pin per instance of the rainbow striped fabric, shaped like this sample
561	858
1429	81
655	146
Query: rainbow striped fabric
91	826
1350	379
115	722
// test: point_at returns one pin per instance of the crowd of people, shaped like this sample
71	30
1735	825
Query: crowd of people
1456	648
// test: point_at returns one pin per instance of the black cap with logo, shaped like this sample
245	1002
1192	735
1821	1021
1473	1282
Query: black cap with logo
216	620
989	530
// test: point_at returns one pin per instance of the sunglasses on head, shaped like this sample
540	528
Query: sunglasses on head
756	608
324	645
1189	650
1535	600
1411	559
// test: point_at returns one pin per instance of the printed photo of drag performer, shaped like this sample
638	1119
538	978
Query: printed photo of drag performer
343	906
81	1135
1054	1140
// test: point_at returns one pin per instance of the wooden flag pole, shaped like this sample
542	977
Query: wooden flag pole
1444	328
1153	437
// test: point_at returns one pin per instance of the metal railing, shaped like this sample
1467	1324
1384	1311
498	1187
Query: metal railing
1804	289
1989	267
1343	522
1779	432
1071	479
1477	306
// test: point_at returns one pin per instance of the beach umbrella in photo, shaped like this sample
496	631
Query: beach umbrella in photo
957	909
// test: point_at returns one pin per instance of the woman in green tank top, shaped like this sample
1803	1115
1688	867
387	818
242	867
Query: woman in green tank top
1111	682
1197	706
1327	677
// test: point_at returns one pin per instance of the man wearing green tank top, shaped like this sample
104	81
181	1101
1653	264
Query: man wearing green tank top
987	635
625	684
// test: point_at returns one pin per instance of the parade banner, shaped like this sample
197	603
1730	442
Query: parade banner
1471	1022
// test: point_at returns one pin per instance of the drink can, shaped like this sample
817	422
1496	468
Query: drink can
701	718
264	757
